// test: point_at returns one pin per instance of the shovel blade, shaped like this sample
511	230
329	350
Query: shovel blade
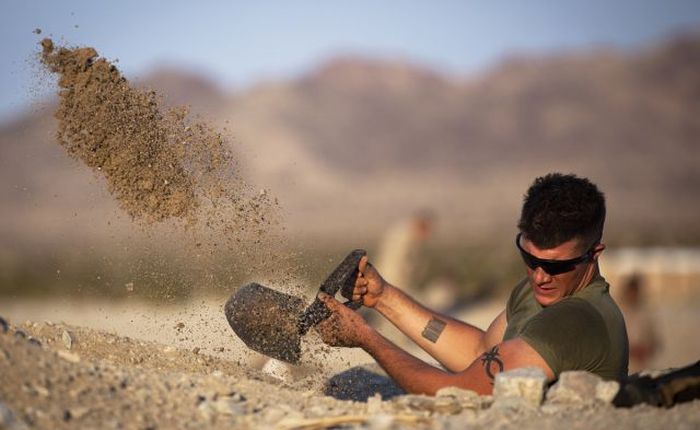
267	321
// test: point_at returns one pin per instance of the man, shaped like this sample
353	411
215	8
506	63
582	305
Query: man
560	317
641	327
401	253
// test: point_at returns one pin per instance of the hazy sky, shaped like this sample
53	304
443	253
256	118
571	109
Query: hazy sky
238	43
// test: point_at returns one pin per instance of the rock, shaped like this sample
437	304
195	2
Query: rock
444	405
317	411
6	415
453	392
67	339
79	412
414	402
526	383
19	334
605	391
380	422
8	420
69	356
4	326
229	406
34	341
278	370
467	399
447	406
41	390
512	406
582	388
206	411
374	404
273	415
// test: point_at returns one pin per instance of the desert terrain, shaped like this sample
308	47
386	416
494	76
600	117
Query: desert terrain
112	281
67	364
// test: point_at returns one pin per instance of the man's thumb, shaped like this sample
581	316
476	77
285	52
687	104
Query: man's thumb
327	300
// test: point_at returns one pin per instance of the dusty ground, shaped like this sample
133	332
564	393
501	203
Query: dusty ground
64	376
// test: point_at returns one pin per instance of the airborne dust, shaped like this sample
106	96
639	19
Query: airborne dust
165	168
157	163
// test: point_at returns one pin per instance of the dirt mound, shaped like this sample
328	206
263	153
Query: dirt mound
158	163
58	376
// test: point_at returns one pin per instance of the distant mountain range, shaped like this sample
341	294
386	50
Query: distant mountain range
358	143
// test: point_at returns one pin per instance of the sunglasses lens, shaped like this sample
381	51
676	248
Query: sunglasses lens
556	269
552	268
528	262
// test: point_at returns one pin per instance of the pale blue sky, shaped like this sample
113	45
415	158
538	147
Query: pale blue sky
238	43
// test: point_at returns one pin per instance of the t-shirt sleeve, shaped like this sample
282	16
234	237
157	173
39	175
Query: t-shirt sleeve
516	296
569	335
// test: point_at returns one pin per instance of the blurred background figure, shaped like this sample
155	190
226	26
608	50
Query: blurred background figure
641	324
402	257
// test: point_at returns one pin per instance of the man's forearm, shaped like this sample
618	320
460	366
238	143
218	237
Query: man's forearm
453	343
410	373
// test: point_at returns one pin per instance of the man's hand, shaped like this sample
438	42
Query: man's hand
369	284
344	327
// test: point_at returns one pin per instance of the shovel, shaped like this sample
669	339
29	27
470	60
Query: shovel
273	323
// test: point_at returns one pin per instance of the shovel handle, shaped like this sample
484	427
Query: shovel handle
353	305
342	278
318	312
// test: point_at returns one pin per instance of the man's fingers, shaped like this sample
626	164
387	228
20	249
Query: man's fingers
329	301
359	291
363	264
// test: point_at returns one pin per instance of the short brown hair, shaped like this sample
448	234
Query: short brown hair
559	207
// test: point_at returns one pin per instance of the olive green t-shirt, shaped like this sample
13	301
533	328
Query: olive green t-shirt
585	331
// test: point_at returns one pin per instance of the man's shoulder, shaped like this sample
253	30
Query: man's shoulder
520	291
576	310
569	335
518	297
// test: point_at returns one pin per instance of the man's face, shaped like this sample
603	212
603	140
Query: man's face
549	289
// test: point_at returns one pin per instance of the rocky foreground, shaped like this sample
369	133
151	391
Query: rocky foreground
59	376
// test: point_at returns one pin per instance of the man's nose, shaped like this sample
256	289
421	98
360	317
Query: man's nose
540	276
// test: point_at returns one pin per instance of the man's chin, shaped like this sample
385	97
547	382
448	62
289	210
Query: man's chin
546	298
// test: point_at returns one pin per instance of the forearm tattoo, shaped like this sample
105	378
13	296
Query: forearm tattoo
433	329
488	359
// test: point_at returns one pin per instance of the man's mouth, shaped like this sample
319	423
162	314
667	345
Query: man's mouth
543	289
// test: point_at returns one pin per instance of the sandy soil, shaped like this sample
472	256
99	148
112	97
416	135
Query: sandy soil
193	373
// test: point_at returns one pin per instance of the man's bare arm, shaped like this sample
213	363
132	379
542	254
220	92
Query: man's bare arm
418	377
346	327
453	343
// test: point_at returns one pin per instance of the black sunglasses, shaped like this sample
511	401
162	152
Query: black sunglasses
553	267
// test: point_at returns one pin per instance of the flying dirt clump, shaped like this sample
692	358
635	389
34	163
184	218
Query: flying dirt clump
157	163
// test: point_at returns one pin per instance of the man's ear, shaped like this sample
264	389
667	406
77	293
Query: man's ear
598	250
